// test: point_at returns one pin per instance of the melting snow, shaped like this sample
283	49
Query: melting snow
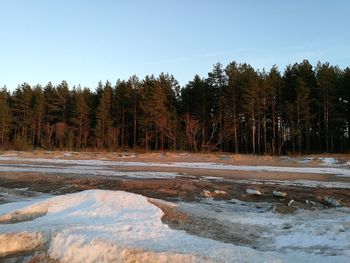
324	232
83	170
115	226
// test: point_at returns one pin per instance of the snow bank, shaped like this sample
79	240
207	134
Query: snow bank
114	226
108	226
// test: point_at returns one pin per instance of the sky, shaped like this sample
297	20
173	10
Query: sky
85	41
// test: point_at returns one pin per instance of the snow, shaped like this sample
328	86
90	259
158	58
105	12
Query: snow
329	161
115	226
83	170
9	155
306	160
253	192
102	226
323	232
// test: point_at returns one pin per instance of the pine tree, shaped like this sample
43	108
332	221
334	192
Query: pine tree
273	85
122	110
80	118
21	112
103	117
345	98
195	98
250	86
167	118
327	80
232	95
217	82
5	117
135	85
38	115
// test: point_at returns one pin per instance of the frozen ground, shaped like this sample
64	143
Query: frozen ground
103	167
323	232
313	176
115	226
299	183
84	170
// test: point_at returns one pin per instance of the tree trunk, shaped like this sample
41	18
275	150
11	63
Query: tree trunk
259	134
325	105
253	135
273	130
235	127
122	137
134	140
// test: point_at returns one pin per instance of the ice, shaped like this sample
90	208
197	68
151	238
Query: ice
115	226
324	232
85	170
306	160
18	198
329	161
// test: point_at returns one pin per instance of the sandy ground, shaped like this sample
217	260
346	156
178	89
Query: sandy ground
224	158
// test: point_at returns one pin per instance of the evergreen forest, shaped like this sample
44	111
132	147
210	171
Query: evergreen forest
236	108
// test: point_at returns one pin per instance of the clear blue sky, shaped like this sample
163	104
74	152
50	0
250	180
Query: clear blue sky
87	41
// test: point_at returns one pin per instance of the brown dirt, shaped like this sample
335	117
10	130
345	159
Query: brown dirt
224	158
187	189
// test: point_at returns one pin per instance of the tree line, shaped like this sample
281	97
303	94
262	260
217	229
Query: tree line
236	108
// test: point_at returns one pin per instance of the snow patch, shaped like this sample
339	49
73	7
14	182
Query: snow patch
9	155
306	160
127	156
114	226
329	161
85	170
253	192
